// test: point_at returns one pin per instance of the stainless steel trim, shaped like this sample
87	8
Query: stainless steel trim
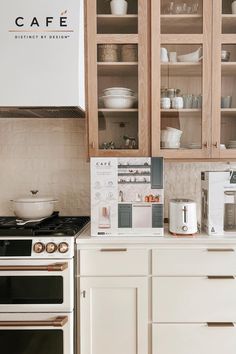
216	277
220	324
220	250
59	321
56	267
113	250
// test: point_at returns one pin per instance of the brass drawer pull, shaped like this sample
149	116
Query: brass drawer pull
56	267
216	277
59	321
113	250
220	250
220	324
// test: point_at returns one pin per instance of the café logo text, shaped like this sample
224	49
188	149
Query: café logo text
48	27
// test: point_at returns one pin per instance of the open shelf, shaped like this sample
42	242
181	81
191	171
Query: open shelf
117	68
228	111
185	23
147	182
181	69
134	174
130	110
117	24
130	38
134	166
228	68
184	110
228	23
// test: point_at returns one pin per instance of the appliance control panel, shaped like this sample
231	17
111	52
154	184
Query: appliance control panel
53	247
37	247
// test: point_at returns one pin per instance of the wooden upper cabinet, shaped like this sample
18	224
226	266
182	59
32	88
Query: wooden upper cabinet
169	55
181	78
224	80
117	56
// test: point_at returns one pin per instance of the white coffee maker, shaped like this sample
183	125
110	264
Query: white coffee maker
219	202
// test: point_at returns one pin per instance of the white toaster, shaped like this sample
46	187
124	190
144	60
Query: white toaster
182	217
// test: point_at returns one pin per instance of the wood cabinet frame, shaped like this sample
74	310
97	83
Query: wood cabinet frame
218	40
143	42
203	39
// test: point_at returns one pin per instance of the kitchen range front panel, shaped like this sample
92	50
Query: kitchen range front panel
30	286
36	333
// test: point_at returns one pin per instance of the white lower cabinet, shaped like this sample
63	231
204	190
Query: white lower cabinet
194	299
114	315
186	296
193	339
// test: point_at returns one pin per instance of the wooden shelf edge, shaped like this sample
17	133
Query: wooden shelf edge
117	16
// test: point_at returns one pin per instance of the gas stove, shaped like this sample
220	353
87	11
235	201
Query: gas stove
51	238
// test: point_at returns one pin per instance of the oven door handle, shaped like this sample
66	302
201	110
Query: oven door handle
59	321
56	267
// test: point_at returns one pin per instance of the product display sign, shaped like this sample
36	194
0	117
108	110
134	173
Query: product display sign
40	51
127	196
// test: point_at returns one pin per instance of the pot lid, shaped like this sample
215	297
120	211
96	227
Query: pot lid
34	199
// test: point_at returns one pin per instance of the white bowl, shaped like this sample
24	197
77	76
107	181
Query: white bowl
174	130
120	91
193	57
118	102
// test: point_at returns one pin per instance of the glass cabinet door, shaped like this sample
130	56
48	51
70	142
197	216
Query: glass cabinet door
224	79
118	82
181	111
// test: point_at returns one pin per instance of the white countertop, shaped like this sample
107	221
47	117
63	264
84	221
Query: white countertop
201	238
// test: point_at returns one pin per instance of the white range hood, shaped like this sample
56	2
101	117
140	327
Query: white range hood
40	53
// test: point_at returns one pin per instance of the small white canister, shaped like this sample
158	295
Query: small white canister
177	103
119	7
165	103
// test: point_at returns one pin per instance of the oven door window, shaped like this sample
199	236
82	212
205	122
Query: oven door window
31	290
31	341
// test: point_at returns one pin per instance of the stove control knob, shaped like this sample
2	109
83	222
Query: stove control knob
51	247
63	247
39	247
185	228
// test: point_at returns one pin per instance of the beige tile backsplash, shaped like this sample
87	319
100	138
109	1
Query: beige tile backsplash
50	155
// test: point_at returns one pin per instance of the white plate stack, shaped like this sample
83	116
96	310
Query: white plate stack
118	98
170	138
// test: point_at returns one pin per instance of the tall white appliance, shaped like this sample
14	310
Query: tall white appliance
219	202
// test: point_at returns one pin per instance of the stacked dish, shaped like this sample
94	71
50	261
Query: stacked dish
231	144
170	138
118	98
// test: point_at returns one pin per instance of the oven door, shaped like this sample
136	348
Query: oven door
36	333
36	285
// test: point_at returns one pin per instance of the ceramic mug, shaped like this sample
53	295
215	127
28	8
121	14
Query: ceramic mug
119	7
233	7
165	103
164	55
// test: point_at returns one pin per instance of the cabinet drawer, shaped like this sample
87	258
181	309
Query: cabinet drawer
114	261
204	261
190	299
193	339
